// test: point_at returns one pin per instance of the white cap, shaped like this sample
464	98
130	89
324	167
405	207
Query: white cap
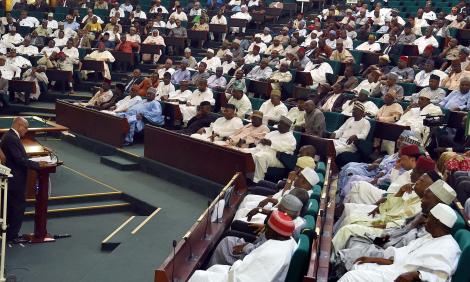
445	214
426	94
210	50
310	175
443	191
229	53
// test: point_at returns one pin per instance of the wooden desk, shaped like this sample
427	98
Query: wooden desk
202	237
151	49
92	123
15	86
92	65
123	57
194	156
218	28
388	131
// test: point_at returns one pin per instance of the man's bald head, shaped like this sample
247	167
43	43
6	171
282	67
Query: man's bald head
21	125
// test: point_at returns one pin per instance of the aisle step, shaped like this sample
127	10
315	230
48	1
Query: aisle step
120	163
129	227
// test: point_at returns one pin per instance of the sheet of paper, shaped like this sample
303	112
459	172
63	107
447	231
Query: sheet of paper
43	159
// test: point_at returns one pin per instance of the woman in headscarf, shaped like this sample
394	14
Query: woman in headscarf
153	39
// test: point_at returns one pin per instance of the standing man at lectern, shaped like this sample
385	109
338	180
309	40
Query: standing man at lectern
18	161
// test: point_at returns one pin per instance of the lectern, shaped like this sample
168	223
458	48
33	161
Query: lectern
40	234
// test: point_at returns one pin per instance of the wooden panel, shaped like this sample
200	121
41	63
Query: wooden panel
194	156
92	123
388	131
201	238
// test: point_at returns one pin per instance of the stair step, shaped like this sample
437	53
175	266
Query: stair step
69	199
121	233
81	208
120	163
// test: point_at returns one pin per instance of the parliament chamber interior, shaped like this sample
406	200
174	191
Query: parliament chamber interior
235	140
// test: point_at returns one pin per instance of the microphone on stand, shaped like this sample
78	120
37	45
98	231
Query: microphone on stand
192	256
206	236
174	255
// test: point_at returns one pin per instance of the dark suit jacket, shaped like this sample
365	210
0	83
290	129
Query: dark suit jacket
17	161
130	83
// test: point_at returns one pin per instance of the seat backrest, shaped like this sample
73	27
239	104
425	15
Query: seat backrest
299	263
459	224
312	208
316	192
333	121
461	273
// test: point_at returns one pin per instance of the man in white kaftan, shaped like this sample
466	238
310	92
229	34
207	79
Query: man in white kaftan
355	128
202	93
222	128
433	257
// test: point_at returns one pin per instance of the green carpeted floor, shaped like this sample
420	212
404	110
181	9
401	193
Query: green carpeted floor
79	258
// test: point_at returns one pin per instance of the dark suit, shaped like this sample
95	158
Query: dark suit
17	160
133	81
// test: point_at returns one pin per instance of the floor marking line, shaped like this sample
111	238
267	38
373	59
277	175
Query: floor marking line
145	221
118	229
91	178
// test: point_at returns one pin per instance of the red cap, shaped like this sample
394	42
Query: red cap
281	223
429	48
425	164
404	59
410	150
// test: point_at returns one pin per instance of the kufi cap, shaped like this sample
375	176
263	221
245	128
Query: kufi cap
445	214
238	87
371	36
443	191
425	164
230	106
359	106
210	50
429	48
385	57
228	53
426	94
285	28
257	35
305	161
266	29
291	203
152	90
310	175
348	11
339	41
332	32
185	61
410	150
286	120
187	50
276	92
50	14
281	223
393	75
465	50
258	114
404	59
364	91
435	77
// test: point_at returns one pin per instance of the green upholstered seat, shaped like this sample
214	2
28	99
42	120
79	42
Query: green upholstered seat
316	192
309	228
459	224
461	273
321	167
321	179
256	103
299	262
312	208
333	121
409	88
364	149
335	65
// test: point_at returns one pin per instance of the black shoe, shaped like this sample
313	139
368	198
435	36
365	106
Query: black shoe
18	240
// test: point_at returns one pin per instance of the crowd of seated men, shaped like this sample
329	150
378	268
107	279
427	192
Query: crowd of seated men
395	209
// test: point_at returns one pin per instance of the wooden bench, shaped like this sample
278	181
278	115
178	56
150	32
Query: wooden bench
194	156
196	245
92	123
27	87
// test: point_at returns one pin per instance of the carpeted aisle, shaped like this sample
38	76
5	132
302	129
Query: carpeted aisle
79	258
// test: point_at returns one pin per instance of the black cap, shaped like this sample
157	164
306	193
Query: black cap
434	77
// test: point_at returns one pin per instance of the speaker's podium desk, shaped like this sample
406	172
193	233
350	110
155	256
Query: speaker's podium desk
40	234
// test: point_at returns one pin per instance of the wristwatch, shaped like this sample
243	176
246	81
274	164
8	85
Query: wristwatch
260	210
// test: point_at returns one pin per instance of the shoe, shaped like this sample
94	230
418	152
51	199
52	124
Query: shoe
127	144
18	240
